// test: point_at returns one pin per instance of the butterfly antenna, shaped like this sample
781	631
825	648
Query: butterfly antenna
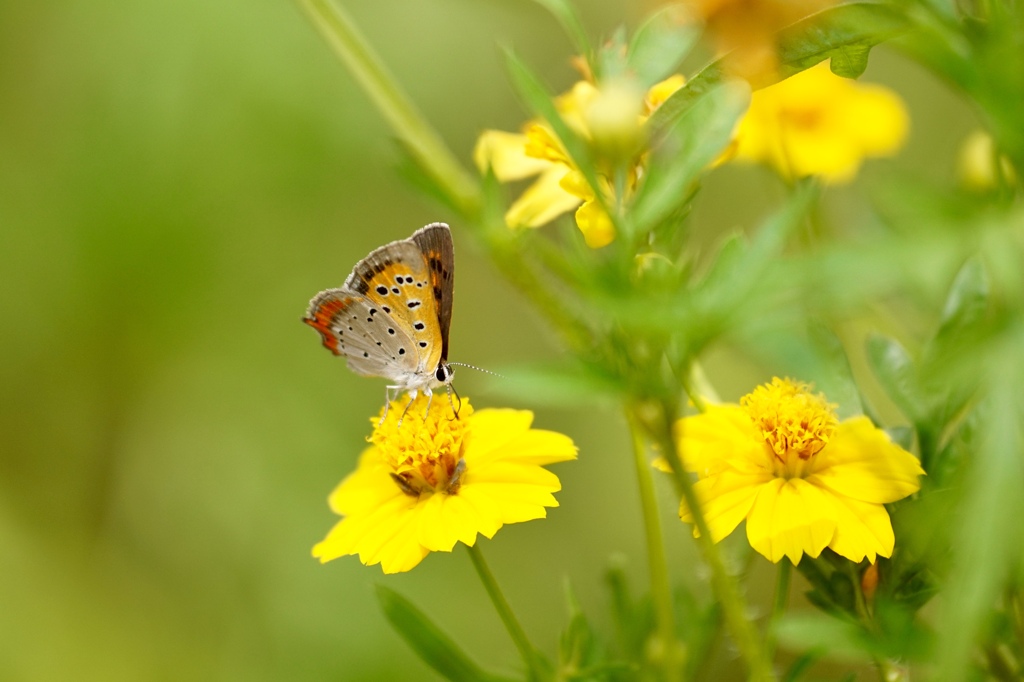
479	369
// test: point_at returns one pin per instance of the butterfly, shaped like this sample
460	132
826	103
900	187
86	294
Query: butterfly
391	317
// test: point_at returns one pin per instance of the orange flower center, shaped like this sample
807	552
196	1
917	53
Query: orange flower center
424	452
795	423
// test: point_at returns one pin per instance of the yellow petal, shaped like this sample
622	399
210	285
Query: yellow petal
492	428
660	92
535	447
595	225
500	505
366	488
790	518
863	530
722	437
542	202
725	499
879	119
513	473
505	154
863	463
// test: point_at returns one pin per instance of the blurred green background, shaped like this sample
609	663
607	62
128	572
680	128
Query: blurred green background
176	181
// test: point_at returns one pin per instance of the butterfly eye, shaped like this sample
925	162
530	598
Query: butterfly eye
443	373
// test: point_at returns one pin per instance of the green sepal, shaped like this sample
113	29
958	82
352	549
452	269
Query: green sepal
429	642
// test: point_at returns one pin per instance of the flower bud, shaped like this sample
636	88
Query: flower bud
613	118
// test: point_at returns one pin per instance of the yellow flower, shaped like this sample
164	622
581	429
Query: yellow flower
802	479
608	119
437	480
980	166
816	123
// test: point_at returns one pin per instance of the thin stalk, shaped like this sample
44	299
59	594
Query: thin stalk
782	582
661	587
733	606
508	617
383	90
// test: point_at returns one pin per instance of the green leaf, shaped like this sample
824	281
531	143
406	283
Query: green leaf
966	304
896	371
850	62
687	152
566	15
841	639
661	43
432	645
562	384
843	30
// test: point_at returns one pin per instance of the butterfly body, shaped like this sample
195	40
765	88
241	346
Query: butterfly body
391	316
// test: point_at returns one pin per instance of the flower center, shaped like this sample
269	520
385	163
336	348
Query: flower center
795	423
424	452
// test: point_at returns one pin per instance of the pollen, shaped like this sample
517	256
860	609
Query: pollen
795	423
423	448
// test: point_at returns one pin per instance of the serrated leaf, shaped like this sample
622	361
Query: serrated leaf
429	642
897	373
838	30
661	43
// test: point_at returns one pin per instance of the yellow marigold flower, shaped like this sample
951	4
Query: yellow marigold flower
435	480
608	118
816	123
802	479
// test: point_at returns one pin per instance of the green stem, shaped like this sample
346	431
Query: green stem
778	605
733	606
661	587
501	605
411	128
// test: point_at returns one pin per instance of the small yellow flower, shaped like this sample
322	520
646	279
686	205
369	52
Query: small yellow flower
980	166
802	479
816	123
608	118
437	480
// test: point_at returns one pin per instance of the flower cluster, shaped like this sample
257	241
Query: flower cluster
609	117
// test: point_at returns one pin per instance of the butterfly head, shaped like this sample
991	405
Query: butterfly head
444	373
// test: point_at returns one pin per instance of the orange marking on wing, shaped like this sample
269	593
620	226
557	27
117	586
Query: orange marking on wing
322	318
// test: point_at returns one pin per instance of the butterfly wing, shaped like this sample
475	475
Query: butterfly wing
352	325
435	243
396	279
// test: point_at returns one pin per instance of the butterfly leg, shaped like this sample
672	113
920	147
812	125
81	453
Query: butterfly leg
390	394
412	399
430	397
